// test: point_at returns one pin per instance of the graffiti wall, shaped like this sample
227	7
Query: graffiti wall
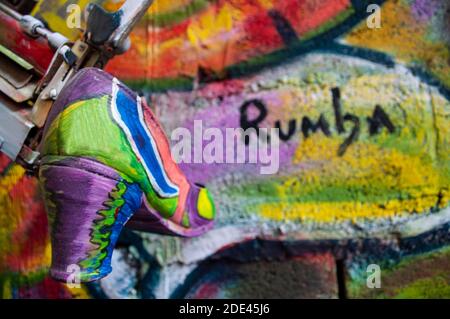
363	114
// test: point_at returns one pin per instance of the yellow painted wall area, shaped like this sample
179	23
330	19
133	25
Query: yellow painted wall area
366	177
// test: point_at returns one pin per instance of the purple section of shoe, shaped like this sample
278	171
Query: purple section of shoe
77	210
87	164
146	221
154	225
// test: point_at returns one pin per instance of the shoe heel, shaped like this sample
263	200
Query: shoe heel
88	204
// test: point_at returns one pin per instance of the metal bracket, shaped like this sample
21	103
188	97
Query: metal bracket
59	73
113	39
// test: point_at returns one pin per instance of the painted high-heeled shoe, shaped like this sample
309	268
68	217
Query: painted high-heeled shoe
105	157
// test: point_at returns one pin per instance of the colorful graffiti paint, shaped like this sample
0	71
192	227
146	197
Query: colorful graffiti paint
364	160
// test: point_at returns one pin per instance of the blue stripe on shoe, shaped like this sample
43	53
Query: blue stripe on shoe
128	115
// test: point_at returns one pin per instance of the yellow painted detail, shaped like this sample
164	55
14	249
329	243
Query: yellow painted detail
205	205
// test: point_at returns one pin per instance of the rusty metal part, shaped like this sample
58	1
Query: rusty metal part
16	82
